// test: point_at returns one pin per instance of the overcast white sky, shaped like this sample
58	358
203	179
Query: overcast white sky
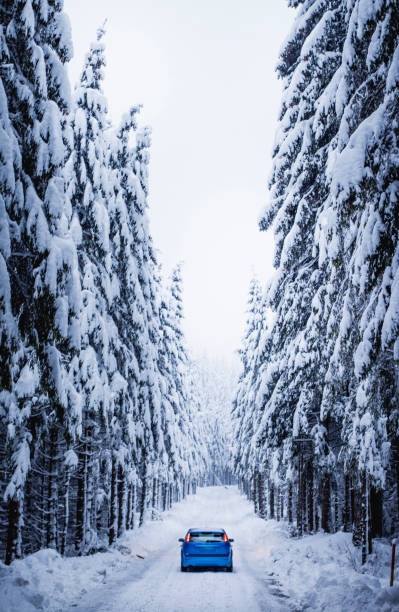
204	70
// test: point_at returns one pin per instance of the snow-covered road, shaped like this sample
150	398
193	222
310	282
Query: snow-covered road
155	583
272	571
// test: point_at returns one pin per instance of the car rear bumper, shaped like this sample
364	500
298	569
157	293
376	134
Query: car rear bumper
202	561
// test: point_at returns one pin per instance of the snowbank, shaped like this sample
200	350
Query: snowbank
324	572
46	581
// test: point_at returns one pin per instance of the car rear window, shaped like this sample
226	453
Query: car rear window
207	536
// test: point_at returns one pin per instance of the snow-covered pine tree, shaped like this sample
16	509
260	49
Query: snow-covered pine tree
151	380
136	312
11	344
358	232
179	368
127	306
245	461
88	189
330	378
300	293
181	423
45	291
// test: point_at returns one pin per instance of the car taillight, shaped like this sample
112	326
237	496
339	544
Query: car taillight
188	537
225	538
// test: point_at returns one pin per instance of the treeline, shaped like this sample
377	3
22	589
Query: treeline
316	410
98	417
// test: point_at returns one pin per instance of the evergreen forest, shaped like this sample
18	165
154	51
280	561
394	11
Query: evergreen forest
101	420
106	417
316	412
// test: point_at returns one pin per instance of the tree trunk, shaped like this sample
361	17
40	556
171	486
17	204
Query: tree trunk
154	498
310	499
14	531
347	514
164	495
122	501
278	504
65	526
289	502
325	503
80	529
375	512
271	499
113	510
133	522
317	509
255	499
336	508
299	499
42	521
364	517
143	499
52	494
261	494
129	508
357	517
89	488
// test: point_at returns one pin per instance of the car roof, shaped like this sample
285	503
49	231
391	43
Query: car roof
195	530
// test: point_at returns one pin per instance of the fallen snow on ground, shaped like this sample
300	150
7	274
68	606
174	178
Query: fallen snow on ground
272	572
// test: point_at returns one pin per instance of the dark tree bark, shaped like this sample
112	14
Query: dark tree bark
113	510
278	504
129	508
122	500
144	493
255	498
133	522
325	503
310	498
52	493
347	513
299	500
271	499
29	513
164	495
64	534
89	501
154	497
14	536
289	503
375	512
81	501
364	517
336	508
261	494
356	515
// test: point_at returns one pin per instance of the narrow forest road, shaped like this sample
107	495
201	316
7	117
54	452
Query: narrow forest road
272	571
156	584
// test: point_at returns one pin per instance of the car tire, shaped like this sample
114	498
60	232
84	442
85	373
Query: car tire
183	569
229	569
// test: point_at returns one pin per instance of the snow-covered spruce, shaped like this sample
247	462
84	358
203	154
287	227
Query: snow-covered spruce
96	423
41	264
324	398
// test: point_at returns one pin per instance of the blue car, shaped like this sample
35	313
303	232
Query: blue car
206	548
